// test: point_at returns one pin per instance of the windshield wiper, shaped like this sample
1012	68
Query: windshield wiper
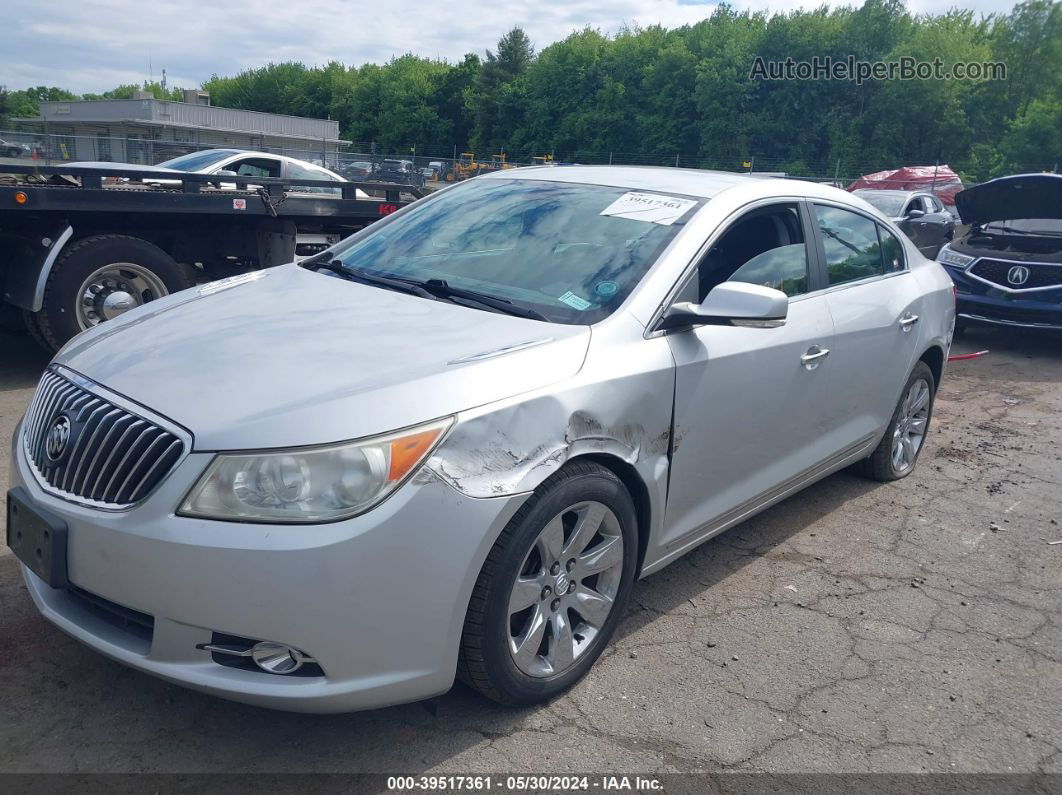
440	289
432	288
357	275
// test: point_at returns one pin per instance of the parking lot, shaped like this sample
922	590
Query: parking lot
914	626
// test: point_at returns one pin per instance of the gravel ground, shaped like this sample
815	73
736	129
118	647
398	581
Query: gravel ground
855	627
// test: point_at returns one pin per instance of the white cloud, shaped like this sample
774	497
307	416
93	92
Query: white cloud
93	45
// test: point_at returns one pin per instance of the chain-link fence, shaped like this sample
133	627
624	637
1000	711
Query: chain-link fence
427	166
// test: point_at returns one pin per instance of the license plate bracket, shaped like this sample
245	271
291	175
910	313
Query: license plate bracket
38	538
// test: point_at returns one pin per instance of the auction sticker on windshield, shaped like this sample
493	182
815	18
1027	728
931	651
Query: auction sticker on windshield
650	207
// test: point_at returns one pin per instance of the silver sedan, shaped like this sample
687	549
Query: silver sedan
450	445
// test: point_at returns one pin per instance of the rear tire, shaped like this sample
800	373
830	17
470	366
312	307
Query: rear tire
894	458
567	642
61	316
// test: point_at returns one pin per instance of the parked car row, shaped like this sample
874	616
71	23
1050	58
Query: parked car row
14	149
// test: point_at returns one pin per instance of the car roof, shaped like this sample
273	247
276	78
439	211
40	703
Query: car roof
666	179
307	163
687	181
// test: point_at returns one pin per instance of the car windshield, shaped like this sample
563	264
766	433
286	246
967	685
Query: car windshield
889	204
571	252
196	161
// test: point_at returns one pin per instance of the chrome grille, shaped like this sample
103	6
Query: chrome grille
115	458
1040	274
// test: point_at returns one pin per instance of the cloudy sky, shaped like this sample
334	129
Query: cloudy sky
94	45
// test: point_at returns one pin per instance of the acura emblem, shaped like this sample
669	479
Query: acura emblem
58	437
1018	275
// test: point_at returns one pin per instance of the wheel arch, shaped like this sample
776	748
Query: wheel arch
934	358
636	487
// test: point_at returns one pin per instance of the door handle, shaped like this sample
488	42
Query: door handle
907	321
813	356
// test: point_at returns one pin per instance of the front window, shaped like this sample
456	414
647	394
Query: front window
571	252
197	161
255	167
765	247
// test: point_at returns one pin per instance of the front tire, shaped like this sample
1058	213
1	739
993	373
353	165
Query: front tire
102	276
897	452
553	588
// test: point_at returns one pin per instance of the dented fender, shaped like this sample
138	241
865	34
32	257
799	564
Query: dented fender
619	407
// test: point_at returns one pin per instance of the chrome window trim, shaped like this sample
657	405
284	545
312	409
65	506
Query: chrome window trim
123	403
968	272
650	332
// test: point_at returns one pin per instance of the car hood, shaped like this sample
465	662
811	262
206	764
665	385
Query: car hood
288	357
1012	198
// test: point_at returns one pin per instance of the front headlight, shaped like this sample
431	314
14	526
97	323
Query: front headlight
310	484
948	257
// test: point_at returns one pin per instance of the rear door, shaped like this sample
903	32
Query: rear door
876	304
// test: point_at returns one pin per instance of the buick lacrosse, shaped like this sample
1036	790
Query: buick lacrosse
449	445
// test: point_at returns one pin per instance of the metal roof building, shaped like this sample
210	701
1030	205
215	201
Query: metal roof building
147	130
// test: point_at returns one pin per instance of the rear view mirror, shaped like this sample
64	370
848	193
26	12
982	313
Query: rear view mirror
731	304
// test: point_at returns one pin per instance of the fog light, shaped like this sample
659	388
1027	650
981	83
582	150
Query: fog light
266	655
277	658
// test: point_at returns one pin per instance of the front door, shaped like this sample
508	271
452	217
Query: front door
752	405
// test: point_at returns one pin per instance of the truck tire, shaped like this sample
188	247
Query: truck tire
99	277
32	323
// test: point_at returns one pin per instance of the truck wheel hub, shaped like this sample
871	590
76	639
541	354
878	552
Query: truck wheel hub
115	289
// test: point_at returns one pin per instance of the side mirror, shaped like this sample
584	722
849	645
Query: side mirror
731	304
915	213
224	172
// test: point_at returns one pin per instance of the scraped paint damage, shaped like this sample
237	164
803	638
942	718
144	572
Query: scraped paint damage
503	452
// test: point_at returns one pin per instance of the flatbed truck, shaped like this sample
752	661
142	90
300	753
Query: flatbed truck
81	245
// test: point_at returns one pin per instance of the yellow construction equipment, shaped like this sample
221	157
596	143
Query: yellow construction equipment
498	162
543	160
465	167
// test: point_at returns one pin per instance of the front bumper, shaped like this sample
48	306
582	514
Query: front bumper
378	600
978	302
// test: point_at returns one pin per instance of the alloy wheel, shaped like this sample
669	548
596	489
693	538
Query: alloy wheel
565	589
910	429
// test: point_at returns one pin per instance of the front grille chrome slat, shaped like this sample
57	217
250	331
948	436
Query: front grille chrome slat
115	457
1038	275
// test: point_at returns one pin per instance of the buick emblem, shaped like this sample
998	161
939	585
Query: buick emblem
58	438
1018	275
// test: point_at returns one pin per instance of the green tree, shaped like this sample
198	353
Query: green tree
1033	140
491	102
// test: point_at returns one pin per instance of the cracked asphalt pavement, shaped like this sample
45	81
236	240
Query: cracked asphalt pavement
855	627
